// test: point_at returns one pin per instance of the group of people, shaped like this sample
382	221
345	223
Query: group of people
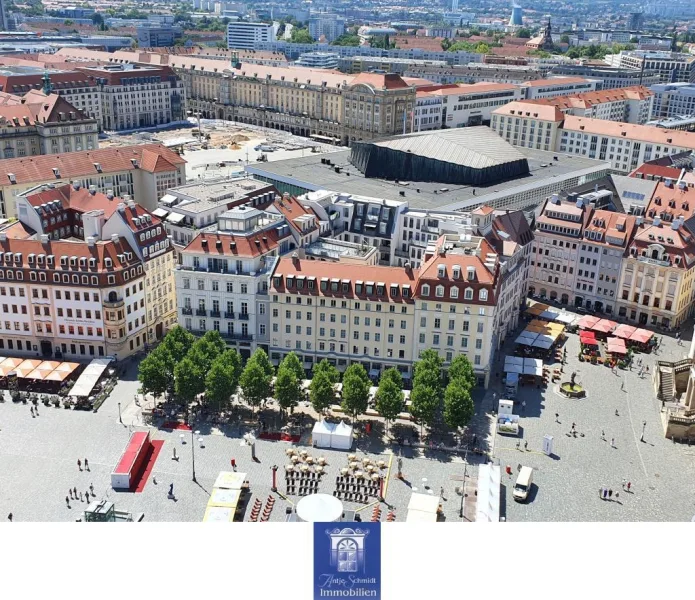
73	495
605	493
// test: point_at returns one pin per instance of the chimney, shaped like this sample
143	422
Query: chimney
91	241
3	236
44	238
295	259
114	238
92	189
109	194
121	207
76	186
408	267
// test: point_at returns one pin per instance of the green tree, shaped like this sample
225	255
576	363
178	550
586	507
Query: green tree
389	398
490	33
292	362
347	39
97	19
223	378
428	371
205	350
424	404
321	392
482	48
461	370
523	32
190	380
288	388
153	374
446	44
326	368
175	346
255	384
458	405
393	375
260	357
564	39
301	36
355	390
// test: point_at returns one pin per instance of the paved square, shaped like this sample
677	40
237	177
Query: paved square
661	472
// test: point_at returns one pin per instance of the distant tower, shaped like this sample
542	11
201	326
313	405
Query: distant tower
516	19
454	6
47	85
635	21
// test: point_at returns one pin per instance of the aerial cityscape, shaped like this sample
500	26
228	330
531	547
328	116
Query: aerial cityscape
331	262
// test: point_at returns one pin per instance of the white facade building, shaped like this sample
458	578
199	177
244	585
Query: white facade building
246	35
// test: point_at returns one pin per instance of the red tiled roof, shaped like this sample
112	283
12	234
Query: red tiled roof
389	81
656	171
292	208
641	133
38	169
531	110
673	201
349	272
251	246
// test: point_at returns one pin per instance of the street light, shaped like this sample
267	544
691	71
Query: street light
274	469
463	485
193	452
120	419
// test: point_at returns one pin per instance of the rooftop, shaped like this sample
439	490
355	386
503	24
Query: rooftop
640	133
203	195
308	173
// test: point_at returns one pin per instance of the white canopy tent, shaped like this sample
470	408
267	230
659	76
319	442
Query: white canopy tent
526	338
322	433
319	508
85	383
488	505
342	436
423	507
523	366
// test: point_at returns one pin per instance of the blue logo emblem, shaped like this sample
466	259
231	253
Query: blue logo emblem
347	560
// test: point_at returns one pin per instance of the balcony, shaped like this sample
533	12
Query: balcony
187	310
113	303
215	314
228	315
244	316
239	337
402	253
201	312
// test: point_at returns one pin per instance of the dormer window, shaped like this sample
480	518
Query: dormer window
425	290
454	292
380	289
394	291
358	287
439	291
324	284
471	273
468	294
482	295
441	271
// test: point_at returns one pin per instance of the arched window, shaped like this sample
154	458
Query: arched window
468	294
425	290
347	556
454	292
439	291
482	295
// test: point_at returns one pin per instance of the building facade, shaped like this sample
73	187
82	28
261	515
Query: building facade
325	26
246	36
671	67
142	172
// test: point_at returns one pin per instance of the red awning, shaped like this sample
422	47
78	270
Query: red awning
587	322
641	336
624	331
604	326
616	346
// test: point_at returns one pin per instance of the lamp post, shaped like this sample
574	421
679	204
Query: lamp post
644	426
463	484
120	419
193	452
274	469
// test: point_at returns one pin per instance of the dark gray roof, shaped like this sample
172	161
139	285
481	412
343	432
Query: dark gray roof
476	147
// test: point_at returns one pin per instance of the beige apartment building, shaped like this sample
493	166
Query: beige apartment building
656	287
328	105
143	173
528	125
386	316
37	123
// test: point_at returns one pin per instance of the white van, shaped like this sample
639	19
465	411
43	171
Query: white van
523	484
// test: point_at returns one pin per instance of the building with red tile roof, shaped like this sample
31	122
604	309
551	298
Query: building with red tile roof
386	316
134	171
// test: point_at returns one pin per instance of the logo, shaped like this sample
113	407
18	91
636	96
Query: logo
347	560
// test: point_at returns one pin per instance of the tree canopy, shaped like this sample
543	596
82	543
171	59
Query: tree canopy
458	404
223	378
389	396
355	390
255	383
461	370
190	379
301	36
424	404
321	392
523	32
347	39
288	388
327	369
292	362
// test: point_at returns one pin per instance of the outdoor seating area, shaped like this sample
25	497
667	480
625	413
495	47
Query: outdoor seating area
360	480
303	473
33	380
545	312
539	337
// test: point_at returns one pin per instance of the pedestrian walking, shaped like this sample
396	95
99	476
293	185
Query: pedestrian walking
86	465
174	457
616	413
9	517
233	464
74	491
610	494
70	494
67	501
523	406
603	435
441	492
36	410
617	495
612	442
557	417
81	500
91	488
624	482
31	410
526	445
518	444
79	464
629	485
605	493
171	490
622	385
86	495
573	427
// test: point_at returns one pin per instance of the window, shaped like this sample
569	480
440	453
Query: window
425	290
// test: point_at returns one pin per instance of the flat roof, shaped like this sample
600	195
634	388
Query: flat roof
308	173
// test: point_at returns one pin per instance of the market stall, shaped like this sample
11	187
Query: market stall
642	338
319	508
616	346
587	322
423	507
624	331
342	436
489	489
87	380
321	434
